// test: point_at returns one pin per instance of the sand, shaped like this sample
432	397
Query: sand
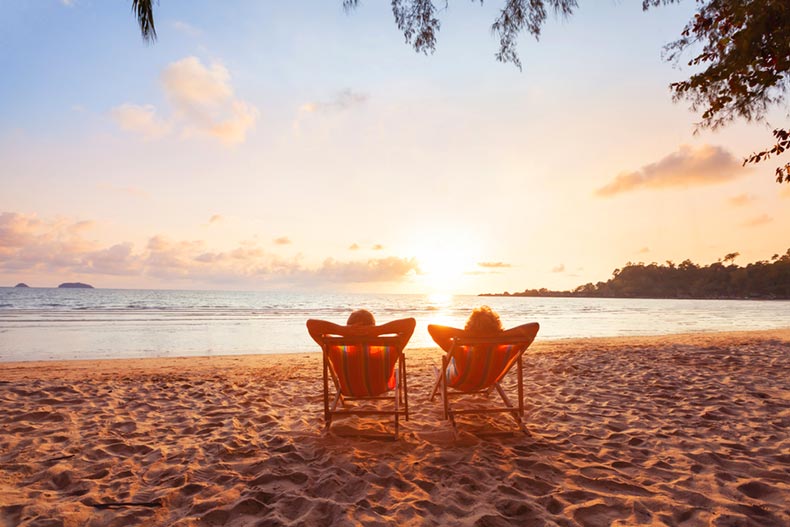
680	430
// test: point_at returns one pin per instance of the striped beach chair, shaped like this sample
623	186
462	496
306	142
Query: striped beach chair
365	363
477	365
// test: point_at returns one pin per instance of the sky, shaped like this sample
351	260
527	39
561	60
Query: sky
291	145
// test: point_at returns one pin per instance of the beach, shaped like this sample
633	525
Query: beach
689	429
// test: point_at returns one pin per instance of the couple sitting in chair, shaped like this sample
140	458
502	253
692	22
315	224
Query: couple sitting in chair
360	358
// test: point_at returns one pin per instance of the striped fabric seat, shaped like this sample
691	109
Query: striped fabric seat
478	367
363	370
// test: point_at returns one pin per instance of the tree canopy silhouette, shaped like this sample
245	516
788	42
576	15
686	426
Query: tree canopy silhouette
760	280
743	45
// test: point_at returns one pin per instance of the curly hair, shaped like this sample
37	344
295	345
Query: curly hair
483	321
361	317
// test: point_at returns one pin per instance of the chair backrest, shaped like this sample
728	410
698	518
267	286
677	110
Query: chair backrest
477	363
363	366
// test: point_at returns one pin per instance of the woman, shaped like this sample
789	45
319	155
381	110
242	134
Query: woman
483	322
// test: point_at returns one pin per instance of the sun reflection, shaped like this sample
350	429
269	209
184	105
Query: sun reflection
440	300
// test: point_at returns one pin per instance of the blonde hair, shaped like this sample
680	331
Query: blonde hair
483	321
361	317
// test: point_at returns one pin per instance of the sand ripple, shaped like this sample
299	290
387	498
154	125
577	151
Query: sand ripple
682	430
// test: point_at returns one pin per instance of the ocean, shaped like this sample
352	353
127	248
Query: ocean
72	324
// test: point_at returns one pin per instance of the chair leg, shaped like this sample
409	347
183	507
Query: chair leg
443	381
514	412
405	387
436	386
520	386
326	390
397	399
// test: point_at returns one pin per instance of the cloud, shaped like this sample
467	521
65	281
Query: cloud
643	250
203	98
68	3
740	200
353	247
201	103
186	28
141	120
128	191
30	244
378	247
493	265
26	242
389	269
757	221
558	269
190	85
282	240
215	218
343	100
706	165
115	260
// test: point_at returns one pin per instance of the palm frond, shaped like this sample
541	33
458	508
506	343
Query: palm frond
144	10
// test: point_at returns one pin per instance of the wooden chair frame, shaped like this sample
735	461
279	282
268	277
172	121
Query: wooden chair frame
440	386
400	398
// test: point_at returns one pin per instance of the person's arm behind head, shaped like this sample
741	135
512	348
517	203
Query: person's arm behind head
404	328
443	335
526	331
319	328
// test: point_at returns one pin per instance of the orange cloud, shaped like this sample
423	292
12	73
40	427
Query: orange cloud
203	97
29	244
643	250
202	102
141	120
389	269
282	240
757	221
706	165
558	269
740	200
493	265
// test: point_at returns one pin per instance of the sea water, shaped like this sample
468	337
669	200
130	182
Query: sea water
68	324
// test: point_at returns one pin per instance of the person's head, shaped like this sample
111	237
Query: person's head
361	317
483	321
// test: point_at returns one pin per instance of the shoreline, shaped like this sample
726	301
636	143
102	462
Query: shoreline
543	345
685	429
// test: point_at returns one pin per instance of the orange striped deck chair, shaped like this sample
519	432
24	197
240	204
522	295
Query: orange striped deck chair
365	363
477	365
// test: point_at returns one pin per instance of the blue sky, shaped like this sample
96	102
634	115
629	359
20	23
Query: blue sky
262	145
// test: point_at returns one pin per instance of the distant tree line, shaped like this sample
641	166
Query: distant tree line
723	279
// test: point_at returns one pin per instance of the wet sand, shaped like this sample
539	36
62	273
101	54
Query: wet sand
678	430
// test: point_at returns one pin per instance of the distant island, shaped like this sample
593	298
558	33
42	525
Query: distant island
22	285
763	280
74	285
